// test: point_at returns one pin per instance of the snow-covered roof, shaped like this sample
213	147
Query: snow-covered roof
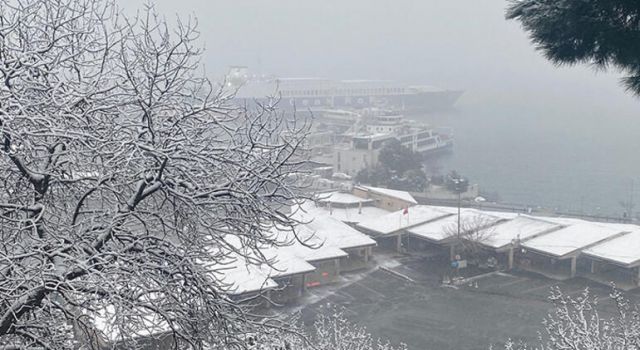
241	277
402	195
623	250
336	233
522	228
572	238
307	246
285	263
276	261
350	215
106	322
442	228
501	214
396	221
341	198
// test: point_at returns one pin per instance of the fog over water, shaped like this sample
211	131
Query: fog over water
537	134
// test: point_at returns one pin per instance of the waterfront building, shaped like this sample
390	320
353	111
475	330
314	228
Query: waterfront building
617	260
555	254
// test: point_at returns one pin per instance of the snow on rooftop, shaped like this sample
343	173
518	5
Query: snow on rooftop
572	238
350	215
500	214
403	195
306	244
392	222
442	228
276	261
140	323
242	276
336	233
623	250
285	262
320	239
521	227
341	198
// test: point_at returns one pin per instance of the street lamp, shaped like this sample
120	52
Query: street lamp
460	185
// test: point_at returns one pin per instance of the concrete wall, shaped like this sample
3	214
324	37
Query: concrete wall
382	201
351	162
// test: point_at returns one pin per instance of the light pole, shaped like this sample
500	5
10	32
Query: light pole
457	183
460	185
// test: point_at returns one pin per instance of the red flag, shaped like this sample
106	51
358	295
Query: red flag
405	211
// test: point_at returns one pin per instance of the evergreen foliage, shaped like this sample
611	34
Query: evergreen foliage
601	33
399	168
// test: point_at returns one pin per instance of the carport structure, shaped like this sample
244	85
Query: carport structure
617	261
442	231
245	281
278	275
388	229
306	246
503	239
357	246
348	208
555	254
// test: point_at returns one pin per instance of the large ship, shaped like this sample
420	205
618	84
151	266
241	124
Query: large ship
312	94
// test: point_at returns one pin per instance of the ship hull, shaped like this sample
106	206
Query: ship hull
417	102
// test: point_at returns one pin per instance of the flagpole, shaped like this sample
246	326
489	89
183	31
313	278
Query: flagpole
407	216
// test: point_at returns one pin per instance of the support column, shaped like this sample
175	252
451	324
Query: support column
337	265
638	276
573	266
452	252
399	243
594	268
304	284
510	259
366	255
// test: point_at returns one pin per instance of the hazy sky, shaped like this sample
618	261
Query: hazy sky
461	44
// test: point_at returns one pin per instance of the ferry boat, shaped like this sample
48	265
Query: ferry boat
310	94
379	124
420	138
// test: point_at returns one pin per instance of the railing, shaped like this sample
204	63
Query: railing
517	208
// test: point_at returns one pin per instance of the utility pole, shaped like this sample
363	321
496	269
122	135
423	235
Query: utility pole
631	200
459	200
460	185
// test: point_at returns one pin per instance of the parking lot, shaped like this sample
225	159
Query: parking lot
410	305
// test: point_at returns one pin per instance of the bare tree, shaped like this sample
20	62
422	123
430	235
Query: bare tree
575	323
470	236
123	169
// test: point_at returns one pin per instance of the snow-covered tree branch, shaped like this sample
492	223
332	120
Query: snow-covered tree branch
330	331
601	33
576	324
123	169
